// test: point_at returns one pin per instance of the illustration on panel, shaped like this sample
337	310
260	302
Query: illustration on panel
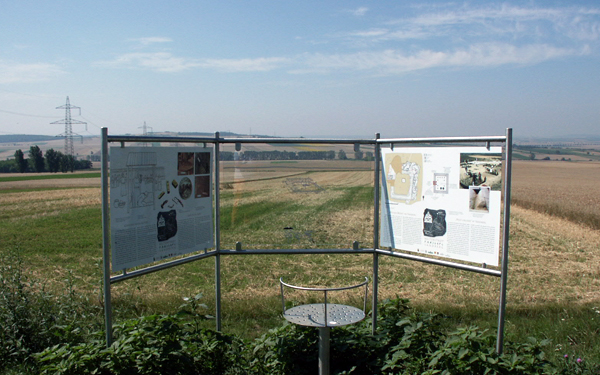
404	177
139	183
434	223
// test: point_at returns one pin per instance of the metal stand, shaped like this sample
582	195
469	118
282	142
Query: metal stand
324	316
324	334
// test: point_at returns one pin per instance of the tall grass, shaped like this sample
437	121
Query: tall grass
563	189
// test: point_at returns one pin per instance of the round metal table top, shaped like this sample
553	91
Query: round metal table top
313	315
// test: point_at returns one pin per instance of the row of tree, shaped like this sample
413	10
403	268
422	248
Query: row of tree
291	155
54	161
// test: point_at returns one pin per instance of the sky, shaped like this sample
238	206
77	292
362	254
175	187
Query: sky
302	68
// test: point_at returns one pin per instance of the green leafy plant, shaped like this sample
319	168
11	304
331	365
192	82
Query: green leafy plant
572	364
32	317
156	344
472	351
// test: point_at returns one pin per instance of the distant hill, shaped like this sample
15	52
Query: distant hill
567	140
222	134
24	138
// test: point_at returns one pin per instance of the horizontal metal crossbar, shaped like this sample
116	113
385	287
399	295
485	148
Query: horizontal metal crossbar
177	262
122	138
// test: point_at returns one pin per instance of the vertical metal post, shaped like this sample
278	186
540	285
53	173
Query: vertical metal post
376	233
326	321
324	336
105	237
505	238
217	235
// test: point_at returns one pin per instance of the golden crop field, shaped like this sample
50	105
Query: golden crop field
569	190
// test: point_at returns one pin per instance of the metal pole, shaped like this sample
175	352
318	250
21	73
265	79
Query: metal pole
106	238
324	334
217	237
376	234
505	238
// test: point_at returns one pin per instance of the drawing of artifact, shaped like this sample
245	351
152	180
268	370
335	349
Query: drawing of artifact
185	188
119	203
434	223
166	225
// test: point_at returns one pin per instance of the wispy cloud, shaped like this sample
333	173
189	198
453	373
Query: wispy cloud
151	40
359	12
261	64
157	61
167	63
494	22
394	61
441	36
18	73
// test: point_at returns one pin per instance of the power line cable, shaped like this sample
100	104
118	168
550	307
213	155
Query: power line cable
24	114
90	122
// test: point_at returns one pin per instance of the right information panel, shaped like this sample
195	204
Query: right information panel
443	201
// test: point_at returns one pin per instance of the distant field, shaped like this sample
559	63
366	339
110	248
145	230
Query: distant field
12	181
589	153
12	177
565	189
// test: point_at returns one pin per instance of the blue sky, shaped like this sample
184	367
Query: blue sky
302	68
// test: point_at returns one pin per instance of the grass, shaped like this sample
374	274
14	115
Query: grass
33	177
554	271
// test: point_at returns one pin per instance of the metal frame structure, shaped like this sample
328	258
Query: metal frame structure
375	251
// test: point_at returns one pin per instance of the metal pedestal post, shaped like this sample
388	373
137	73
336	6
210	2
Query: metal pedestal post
324	333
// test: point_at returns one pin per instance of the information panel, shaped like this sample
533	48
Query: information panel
161	203
443	201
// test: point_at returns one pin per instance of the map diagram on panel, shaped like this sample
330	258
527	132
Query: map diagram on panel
404	177
139	183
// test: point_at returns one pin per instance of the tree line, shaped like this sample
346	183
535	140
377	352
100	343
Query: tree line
291	155
56	161
53	161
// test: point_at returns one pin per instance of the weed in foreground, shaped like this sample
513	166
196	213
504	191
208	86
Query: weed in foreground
32	317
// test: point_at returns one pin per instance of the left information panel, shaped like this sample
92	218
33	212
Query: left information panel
161	203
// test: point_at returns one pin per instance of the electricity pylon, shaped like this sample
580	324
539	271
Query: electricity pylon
68	134
144	132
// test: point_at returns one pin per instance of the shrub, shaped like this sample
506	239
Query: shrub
33	318
156	344
472	351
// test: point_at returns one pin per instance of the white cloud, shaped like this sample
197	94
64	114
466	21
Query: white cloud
390	61
17	73
151	40
370	33
359	12
261	64
494	22
393	62
167	63
157	61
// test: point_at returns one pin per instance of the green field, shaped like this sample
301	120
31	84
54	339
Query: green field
27	177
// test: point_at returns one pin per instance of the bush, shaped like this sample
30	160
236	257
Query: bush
33	318
472	351
156	344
